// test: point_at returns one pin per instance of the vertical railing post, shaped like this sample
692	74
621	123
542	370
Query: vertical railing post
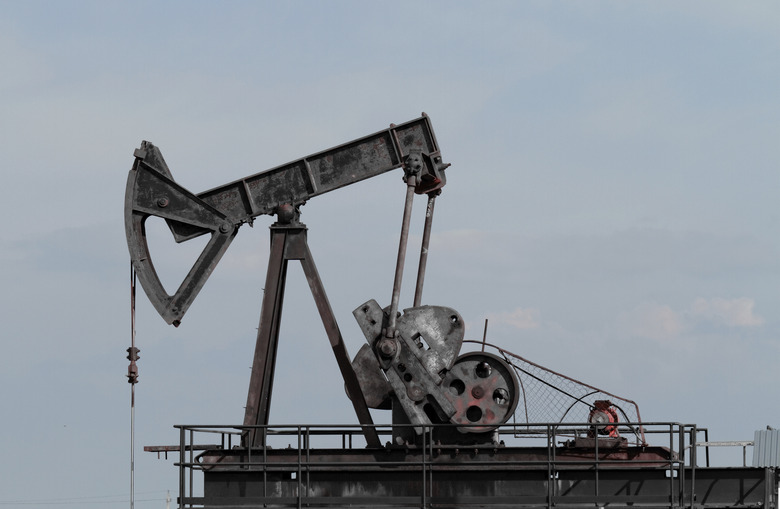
191	463
693	464
426	430
596	462
672	465
681	466
551	483
308	462
264	431
300	470
182	458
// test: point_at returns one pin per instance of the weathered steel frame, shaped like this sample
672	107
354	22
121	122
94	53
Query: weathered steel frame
435	475
219	212
289	242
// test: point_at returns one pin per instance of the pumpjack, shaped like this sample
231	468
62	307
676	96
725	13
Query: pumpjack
452	413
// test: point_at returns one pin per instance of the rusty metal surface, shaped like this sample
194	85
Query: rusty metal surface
298	181
288	242
338	346
414	360
549	396
401	258
441	456
433	334
606	472
424	379
716	488
484	391
412	351
373	384
258	401
483	477
426	240
151	191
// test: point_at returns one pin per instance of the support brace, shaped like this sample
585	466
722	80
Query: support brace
288	242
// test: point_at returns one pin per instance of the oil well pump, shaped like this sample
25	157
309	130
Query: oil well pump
460	422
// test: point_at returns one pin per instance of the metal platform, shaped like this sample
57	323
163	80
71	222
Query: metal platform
322	466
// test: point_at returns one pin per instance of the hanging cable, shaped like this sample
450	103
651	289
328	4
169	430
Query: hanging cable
132	379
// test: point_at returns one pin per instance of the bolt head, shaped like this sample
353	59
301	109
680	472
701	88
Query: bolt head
415	394
387	348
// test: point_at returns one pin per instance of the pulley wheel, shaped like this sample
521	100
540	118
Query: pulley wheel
484	390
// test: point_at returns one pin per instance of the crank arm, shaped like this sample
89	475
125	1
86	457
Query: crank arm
414	362
151	191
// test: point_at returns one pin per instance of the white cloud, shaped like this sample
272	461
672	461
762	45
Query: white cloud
459	239
652	321
661	322
520	318
732	312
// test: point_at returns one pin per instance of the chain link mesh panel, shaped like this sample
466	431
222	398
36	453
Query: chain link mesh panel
552	398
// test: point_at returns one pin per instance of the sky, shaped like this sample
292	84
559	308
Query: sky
610	209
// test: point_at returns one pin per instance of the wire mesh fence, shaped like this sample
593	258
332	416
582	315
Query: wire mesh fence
547	396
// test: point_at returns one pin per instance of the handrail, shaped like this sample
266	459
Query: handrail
292	476
430	456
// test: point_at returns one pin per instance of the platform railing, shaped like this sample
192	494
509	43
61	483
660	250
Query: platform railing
679	439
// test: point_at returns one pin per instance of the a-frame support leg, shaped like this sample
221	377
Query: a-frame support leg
288	242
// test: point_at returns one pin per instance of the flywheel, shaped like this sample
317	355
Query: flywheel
484	390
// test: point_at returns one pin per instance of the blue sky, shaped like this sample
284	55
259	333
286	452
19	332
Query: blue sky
611	207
